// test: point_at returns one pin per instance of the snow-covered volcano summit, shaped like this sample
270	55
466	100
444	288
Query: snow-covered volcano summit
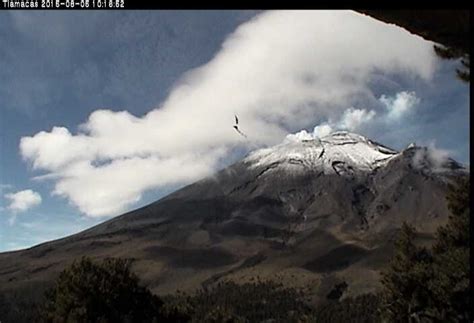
341	152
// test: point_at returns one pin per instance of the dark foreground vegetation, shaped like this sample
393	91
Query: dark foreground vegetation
419	285
109	292
432	285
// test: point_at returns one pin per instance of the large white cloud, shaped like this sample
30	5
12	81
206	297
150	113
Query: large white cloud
280	72
23	200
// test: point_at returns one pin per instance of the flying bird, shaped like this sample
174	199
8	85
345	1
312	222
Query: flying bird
236	127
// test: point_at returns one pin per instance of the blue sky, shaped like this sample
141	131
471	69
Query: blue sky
102	112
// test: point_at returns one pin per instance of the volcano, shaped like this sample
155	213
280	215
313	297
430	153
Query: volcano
310	213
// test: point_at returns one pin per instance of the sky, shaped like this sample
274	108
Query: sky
103	112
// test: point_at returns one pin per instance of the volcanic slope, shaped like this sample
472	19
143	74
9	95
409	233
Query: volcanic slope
309	213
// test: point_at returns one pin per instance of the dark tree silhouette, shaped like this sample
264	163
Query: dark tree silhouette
433	285
463	73
449	285
405	280
100	292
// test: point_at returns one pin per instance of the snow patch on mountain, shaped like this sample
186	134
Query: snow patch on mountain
340	152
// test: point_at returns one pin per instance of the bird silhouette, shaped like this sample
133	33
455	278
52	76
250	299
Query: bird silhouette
236	127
